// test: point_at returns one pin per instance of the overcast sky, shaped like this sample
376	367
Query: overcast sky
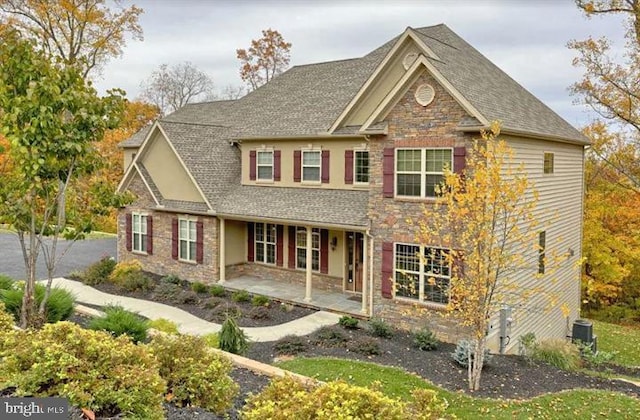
526	39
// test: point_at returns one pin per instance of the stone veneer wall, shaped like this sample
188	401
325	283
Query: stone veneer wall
161	261
410	125
287	275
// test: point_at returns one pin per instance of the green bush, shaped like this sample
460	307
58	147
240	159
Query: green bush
526	344
187	297
199	287
217	291
99	271
90	368
6	319
290	345
465	352
426	405
166	292
232	338
259	312
330	336
425	340
368	346
195	375
212	340
619	313
163	325
59	306
133	282
348	322
223	311
119	321
171	279
6	282
379	328
212	302
124	269
259	300
559	353
240	296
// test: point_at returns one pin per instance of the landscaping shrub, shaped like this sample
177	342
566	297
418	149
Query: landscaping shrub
526	344
59	306
186	297
348	322
123	269
380	328
137	281
465	351
232	339
557	352
195	375
290	345
212	302
6	282
212	340
285	399
90	368
163	325
259	300
171	279
330	336
619	313
595	358
99	271
6	319
119	321
240	296
224	311
217	291
425	340
259	312
368	346
199	287
166	292
426	405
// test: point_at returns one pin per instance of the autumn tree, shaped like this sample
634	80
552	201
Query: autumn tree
266	58
485	218
50	117
172	87
231	92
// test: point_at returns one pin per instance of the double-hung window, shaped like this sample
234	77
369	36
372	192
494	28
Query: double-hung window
548	163
301	248
361	167
187	239
139	232
419	172
311	163
422	273
264	163
265	243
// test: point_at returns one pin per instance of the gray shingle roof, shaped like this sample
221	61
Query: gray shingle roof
336	207
137	139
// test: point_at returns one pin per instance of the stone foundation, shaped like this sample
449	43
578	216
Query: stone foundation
285	275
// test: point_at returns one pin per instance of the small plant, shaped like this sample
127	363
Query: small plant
259	312
6	283
199	287
232	338
186	297
171	279
212	302
287	307
217	291
559	353
527	344
348	322
212	340
224	311
164	325
119	321
425	340
330	336
166	292
59	306
368	346
124	269
290	345
595	358
379	328
136	281
240	296
259	300
99	271
465	352
6	320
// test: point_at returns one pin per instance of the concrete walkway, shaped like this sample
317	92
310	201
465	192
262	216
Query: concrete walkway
190	324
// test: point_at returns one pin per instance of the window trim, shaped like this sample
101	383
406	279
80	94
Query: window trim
319	166
189	258
143	234
422	276
258	165
265	243
314	232
548	170
422	173
355	167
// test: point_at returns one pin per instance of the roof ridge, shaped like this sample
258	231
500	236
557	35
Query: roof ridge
325	62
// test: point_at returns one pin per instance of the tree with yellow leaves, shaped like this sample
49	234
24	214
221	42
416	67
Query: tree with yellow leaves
266	58
486	218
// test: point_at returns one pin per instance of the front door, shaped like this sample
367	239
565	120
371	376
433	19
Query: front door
354	259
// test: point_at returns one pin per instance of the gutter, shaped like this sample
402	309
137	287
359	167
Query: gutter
296	222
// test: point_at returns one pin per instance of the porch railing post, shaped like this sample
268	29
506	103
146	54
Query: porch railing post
221	252
365	272
309	263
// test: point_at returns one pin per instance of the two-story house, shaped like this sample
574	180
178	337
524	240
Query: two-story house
312	178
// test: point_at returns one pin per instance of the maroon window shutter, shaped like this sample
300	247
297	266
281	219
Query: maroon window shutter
297	157
174	238
127	231
348	166
387	171
292	247
252	165
459	159
279	245
150	235
324	251
276	165
199	242
387	270
250	242
325	166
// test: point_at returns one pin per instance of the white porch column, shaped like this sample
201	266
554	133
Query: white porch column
365	272
309	263
221	251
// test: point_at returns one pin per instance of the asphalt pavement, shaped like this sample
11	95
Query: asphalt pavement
78	256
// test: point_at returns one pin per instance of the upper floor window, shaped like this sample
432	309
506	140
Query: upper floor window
422	273
264	164
548	163
301	248
139	232
311	163
187	239
420	171
265	243
361	166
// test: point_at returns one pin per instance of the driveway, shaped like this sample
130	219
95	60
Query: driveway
79	256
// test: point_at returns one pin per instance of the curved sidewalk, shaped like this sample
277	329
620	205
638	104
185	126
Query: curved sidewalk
190	324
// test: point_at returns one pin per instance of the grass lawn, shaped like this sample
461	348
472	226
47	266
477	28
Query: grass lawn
398	383
622	339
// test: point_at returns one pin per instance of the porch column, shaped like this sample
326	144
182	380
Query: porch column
221	250
365	272
309	263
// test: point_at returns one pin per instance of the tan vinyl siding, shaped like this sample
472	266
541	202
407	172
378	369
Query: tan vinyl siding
235	242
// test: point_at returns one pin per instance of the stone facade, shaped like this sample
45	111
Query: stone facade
286	275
